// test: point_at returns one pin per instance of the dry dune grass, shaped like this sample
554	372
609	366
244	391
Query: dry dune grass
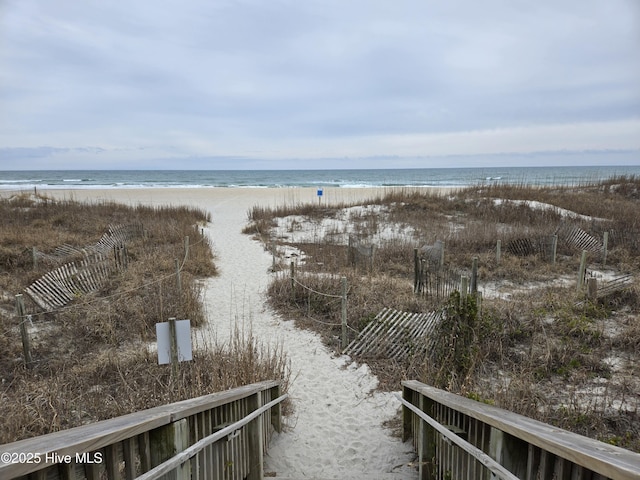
91	359
531	347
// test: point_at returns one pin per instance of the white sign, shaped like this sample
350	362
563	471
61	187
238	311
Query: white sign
183	339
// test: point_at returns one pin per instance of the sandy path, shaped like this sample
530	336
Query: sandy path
336	429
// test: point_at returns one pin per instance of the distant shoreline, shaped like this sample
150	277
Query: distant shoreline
243	198
318	179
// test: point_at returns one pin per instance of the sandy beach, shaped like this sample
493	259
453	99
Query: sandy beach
336	430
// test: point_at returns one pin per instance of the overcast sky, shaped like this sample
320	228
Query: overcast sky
306	84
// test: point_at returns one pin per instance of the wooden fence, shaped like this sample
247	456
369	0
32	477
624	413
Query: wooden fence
58	287
459	438
617	284
360	254
438	283
394	334
543	245
578	240
219	436
629	238
570	236
598	290
432	278
116	235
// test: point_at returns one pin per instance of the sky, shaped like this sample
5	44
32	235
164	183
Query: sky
318	84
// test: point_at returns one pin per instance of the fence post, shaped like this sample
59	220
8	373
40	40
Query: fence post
165	442
26	345
344	312
34	257
474	276
605	244
120	256
273	256
427	441
554	248
407	415
186	246
292	274
464	288
498	251
173	338
350	261
592	288
256	448
178	279
351	257
416	270
372	252
581	271
421	438
276	411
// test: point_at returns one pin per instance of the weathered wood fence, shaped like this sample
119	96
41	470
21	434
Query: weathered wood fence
570	236
439	284
597	290
433	278
219	436
116	236
459	438
395	334
543	245
360	254
602	289
58	287
578	239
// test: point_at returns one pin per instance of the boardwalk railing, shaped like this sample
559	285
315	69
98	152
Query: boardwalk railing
459	438
219	436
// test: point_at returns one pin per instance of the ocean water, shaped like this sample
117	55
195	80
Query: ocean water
422	177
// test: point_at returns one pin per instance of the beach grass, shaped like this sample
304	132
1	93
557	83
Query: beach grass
92	358
535	346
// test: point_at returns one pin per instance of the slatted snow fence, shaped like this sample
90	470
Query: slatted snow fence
395	334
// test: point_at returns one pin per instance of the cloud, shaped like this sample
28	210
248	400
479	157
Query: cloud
285	79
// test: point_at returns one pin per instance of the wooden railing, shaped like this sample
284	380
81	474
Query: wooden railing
459	438
219	436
